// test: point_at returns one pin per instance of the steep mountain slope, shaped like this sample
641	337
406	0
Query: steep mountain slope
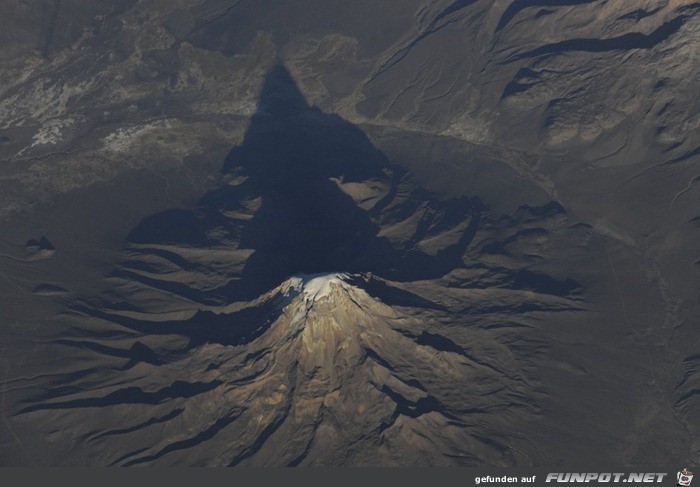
331	376
494	204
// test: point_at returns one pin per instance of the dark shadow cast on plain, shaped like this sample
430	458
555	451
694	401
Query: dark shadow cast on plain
289	163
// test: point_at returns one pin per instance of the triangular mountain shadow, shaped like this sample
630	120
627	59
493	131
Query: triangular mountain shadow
308	192
213	379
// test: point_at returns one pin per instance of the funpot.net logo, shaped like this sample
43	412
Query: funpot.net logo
605	477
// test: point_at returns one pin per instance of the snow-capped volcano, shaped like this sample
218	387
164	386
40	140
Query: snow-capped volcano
317	286
203	351
317	371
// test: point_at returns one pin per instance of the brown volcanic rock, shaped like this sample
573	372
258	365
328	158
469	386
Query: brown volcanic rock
518	176
336	377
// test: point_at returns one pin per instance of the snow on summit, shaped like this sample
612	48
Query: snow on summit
317	286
